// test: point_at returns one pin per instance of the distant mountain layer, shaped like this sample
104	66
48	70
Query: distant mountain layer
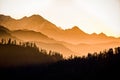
5	33
39	24
35	23
48	36
40	39
47	43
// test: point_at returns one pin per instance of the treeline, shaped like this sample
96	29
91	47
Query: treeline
13	53
14	42
97	66
105	65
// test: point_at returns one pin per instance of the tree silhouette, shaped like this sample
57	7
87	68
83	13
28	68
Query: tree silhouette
2	41
43	65
14	42
117	50
9	41
25	52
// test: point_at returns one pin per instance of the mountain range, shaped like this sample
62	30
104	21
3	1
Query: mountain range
47	35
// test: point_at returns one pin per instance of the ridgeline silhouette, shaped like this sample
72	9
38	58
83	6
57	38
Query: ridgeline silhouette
97	66
24	60
14	54
73	41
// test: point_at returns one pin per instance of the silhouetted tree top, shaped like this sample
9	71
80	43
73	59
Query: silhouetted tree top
104	64
25	52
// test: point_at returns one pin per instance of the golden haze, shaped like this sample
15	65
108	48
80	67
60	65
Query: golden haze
46	35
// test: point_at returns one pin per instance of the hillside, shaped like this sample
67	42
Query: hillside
5	33
48	36
41	40
97	66
24	54
39	24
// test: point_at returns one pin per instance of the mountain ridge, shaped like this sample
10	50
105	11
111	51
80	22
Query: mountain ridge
34	17
41	40
35	28
5	33
37	23
66	49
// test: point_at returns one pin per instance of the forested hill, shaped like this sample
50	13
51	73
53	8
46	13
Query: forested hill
30	62
24	53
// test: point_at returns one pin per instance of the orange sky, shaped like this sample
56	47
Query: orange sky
90	15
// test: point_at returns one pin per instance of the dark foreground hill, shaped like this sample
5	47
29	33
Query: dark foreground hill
102	66
13	54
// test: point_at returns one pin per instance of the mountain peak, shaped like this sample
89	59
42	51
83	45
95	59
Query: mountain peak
75	31
4	17
33	17
36	16
102	34
75	28
25	17
94	33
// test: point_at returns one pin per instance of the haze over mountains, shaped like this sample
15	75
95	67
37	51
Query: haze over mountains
47	35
